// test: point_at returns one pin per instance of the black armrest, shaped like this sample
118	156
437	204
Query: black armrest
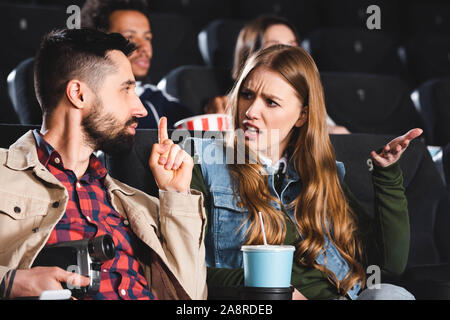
428	281
223	293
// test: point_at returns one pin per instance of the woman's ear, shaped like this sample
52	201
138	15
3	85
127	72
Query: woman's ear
303	117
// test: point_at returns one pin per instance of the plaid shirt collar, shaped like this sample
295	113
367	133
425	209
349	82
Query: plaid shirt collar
47	154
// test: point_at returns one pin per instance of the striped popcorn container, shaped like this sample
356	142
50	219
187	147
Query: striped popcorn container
206	122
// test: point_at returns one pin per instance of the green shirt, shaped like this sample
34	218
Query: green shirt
385	237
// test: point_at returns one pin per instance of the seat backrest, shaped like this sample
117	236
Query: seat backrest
193	86
355	50
428	57
132	168
217	42
351	13
24	26
201	12
366	103
427	16
446	164
434	97
9	133
303	14
64	3
22	94
174	44
428	199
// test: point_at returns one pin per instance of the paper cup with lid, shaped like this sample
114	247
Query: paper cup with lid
267	266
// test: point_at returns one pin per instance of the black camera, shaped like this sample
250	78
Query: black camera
82	256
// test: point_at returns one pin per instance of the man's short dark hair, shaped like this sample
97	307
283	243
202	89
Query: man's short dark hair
74	54
95	13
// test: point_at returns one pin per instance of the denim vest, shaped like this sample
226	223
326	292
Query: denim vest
226	231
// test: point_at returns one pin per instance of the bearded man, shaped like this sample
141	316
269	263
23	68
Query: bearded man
54	189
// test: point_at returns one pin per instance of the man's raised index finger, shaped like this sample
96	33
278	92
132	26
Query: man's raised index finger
162	130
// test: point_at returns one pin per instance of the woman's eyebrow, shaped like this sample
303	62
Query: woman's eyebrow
271	96
264	95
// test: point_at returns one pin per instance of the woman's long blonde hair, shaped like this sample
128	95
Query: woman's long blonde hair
321	208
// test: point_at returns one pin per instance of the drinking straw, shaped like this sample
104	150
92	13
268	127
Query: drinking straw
262	226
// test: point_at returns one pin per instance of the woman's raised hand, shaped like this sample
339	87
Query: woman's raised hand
394	149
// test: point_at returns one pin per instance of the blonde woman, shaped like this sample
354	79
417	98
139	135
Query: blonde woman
296	183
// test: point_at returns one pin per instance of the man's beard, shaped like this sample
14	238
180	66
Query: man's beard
102	131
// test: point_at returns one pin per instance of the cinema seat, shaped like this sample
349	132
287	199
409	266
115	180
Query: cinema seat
366	103
201	12
433	98
303	14
426	275
427	17
132	168
174	44
9	133
353	13
23	27
355	50
217	42
21	92
195	85
428	56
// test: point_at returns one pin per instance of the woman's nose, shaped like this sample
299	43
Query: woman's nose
253	110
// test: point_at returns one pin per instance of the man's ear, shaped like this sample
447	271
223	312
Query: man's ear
303	117
77	92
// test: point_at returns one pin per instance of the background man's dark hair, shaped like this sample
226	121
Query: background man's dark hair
95	13
74	54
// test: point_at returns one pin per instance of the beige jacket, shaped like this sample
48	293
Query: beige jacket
32	201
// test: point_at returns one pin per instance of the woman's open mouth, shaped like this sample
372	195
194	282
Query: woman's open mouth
251	131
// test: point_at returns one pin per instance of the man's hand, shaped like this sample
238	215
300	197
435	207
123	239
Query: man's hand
171	166
31	282
394	149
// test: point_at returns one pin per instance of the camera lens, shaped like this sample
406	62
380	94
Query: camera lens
101	248
109	248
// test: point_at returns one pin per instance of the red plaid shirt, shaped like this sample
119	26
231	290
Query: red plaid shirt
89	214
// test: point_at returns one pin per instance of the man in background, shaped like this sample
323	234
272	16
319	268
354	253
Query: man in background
130	18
